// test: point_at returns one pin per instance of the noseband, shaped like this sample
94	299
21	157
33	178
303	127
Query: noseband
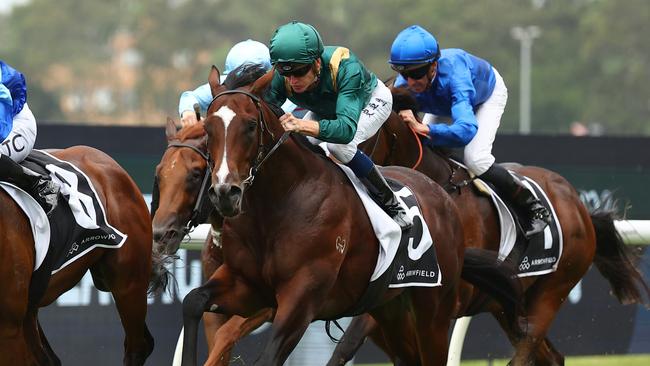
262	155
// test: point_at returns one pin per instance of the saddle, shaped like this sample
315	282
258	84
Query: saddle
538	255
76	226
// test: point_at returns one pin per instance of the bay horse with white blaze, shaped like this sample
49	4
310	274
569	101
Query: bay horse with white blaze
181	181
128	272
287	211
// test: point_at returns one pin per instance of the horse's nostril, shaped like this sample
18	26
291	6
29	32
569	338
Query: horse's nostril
212	194
224	189
158	234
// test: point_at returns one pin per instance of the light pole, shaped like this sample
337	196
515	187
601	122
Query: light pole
525	35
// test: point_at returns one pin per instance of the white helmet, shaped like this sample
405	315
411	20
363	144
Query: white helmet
247	51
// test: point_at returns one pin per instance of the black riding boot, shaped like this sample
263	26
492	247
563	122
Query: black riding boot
42	188
386	199
521	197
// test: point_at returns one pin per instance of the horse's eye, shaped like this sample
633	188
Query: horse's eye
252	125
197	174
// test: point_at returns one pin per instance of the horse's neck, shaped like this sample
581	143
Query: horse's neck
436	165
290	166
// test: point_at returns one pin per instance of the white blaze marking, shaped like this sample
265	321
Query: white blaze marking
226	114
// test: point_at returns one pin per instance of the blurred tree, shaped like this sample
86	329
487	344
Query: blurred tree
126	61
615	59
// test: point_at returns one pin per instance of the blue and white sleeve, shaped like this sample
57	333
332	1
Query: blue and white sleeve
6	112
201	95
464	125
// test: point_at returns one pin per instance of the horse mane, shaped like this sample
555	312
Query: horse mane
403	100
190	132
302	140
244	75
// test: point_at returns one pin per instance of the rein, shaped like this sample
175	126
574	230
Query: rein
198	215
415	134
261	155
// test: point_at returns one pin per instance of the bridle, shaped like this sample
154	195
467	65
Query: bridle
201	211
262	155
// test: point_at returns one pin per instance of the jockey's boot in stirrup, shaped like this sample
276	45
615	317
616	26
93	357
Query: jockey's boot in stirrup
42	188
537	216
385	197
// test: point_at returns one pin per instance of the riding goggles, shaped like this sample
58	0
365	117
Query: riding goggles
413	72
288	69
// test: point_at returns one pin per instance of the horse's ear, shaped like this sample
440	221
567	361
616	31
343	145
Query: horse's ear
170	129
214	80
260	84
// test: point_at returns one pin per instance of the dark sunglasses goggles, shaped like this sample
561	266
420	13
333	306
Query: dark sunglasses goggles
292	69
414	72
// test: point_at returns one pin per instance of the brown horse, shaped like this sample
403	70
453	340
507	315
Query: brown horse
127	272
290	244
182	204
588	237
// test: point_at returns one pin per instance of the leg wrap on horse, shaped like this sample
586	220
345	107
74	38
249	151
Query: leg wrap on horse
521	197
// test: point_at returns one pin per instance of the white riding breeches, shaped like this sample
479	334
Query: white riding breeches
373	116
478	153
20	141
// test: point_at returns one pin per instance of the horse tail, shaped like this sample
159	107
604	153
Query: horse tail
160	275
497	279
614	259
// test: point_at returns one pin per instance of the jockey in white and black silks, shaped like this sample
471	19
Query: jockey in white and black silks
453	83
18	134
347	103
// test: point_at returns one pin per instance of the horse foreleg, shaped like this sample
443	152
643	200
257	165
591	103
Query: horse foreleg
38	345
53	359
222	293
132	307
298	302
233	330
355	335
127	275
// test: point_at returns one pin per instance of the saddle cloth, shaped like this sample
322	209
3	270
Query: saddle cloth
541	253
75	227
408	257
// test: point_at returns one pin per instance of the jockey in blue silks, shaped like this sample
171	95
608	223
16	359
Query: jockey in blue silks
453	83
18	134
248	51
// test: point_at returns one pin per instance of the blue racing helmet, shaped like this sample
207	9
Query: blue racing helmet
414	45
247	51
